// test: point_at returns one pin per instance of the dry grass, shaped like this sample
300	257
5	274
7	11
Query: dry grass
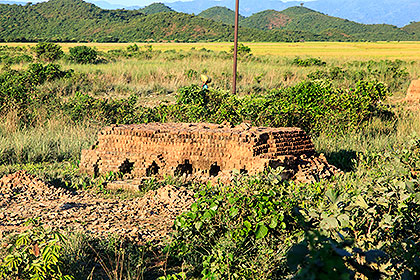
342	50
53	141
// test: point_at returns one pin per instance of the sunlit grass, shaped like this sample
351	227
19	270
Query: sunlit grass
342	50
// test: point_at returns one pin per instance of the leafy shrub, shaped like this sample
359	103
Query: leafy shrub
263	228
36	253
133	48
83	54
13	55
313	106
236	231
308	62
82	106
192	95
242	50
191	73
38	74
18	88
48	51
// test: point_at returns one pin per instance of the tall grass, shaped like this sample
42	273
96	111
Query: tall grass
379	137
54	141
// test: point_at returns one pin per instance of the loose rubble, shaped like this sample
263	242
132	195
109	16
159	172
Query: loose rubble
149	218
313	169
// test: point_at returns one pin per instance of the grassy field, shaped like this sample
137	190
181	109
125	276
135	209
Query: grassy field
47	117
365	51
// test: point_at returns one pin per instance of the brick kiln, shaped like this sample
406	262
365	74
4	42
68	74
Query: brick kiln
177	148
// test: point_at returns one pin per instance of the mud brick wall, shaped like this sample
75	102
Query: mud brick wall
413	93
177	148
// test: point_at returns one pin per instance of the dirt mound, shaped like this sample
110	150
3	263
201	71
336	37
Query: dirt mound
413	93
24	187
149	218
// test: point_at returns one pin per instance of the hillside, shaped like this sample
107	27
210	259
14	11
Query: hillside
221	14
78	21
301	18
156	8
393	12
413	28
269	19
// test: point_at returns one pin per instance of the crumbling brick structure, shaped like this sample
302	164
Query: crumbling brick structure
413	93
178	148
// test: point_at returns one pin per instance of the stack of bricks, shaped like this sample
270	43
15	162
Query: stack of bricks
413	93
175	148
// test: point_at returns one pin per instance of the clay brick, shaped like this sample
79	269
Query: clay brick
187	147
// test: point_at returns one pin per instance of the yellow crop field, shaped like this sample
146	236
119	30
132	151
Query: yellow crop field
342	50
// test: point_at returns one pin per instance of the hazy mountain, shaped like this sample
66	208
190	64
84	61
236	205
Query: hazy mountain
396	12
302	18
106	5
246	7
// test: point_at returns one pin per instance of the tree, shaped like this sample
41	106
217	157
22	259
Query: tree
48	51
83	54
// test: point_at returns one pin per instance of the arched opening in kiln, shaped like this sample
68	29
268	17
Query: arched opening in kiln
263	139
153	169
126	167
183	168
214	169
95	170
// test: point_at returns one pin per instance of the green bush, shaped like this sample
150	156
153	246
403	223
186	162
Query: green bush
315	106
261	227
48	51
18	89
242	50
393	72
240	232
308	62
83	54
81	107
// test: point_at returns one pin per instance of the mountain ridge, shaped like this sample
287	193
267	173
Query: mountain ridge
76	20
399	13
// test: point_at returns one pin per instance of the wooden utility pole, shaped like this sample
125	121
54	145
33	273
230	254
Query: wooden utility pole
235	47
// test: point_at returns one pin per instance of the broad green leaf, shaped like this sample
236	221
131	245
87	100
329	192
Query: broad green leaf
262	231
273	222
247	225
